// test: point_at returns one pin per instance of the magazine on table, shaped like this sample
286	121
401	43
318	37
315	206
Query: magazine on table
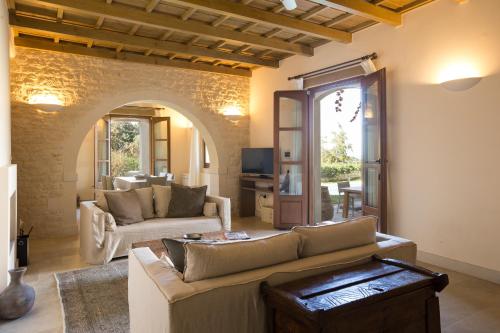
236	235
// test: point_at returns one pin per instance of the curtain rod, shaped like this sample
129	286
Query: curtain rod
334	68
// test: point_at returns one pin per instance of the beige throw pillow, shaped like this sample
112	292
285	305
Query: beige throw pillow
210	209
339	236
162	196
101	199
146	200
204	261
125	207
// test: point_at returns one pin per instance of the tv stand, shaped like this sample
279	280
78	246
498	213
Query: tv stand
248	189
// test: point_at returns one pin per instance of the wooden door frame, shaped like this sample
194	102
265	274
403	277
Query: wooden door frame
312	91
380	78
301	95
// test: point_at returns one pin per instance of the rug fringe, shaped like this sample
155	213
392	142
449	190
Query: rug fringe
60	302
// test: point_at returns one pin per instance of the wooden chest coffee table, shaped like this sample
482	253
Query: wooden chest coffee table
381	296
158	248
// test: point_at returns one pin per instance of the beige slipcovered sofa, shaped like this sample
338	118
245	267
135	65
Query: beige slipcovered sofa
99	244
161	301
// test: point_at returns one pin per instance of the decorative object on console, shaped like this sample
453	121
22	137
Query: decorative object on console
18	298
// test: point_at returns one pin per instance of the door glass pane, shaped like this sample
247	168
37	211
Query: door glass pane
102	170
290	112
161	166
102	150
290	145
371	186
161	130
290	179
161	149
102	129
371	125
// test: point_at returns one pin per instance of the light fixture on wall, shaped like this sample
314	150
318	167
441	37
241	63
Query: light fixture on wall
231	111
459	76
461	84
46	102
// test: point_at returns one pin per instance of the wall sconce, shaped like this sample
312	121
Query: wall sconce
232	111
46	102
461	84
459	77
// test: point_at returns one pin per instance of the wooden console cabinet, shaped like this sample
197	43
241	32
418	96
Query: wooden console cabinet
247	193
383	295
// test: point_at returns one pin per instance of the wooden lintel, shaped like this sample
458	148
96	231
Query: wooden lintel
124	56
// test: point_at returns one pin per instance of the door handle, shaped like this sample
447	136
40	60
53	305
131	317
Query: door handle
379	161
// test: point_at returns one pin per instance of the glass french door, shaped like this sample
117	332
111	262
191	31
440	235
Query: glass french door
160	143
102	150
291	128
374	159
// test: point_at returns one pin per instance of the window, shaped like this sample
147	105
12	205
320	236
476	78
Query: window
129	145
206	156
130	149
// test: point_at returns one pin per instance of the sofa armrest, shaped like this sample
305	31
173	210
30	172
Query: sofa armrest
94	223
223	209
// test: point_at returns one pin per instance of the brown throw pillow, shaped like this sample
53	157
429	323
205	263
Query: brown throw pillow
186	201
125	207
176	252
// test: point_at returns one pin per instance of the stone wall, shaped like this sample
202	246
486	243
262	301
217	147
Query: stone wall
45	145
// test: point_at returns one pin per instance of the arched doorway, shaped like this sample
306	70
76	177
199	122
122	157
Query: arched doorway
201	119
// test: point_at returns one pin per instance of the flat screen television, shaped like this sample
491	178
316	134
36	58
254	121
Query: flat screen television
257	161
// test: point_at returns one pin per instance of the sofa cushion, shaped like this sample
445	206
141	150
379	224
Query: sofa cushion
145	196
187	201
210	209
124	206
204	261
176	252
338	236
101	201
162	196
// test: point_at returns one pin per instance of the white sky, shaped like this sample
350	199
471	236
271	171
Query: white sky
330	119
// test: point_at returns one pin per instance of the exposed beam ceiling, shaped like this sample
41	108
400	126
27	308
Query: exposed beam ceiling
68	31
103	53
363	9
157	20
266	17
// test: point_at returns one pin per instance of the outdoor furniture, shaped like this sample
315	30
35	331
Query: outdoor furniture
341	186
349	193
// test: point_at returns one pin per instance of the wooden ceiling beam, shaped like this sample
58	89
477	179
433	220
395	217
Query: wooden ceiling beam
315	11
269	18
163	21
364	9
35	26
137	58
152	5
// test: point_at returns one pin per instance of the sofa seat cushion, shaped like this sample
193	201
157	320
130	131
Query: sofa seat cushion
119	242
172	226
204	261
339	236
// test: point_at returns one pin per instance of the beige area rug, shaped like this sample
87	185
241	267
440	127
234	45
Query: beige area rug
95	300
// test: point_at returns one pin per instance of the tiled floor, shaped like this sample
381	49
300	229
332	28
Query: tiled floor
468	305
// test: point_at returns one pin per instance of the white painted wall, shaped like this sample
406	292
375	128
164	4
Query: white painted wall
443	146
7	172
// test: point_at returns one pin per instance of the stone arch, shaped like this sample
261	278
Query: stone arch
90	113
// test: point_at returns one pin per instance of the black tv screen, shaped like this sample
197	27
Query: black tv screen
257	161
